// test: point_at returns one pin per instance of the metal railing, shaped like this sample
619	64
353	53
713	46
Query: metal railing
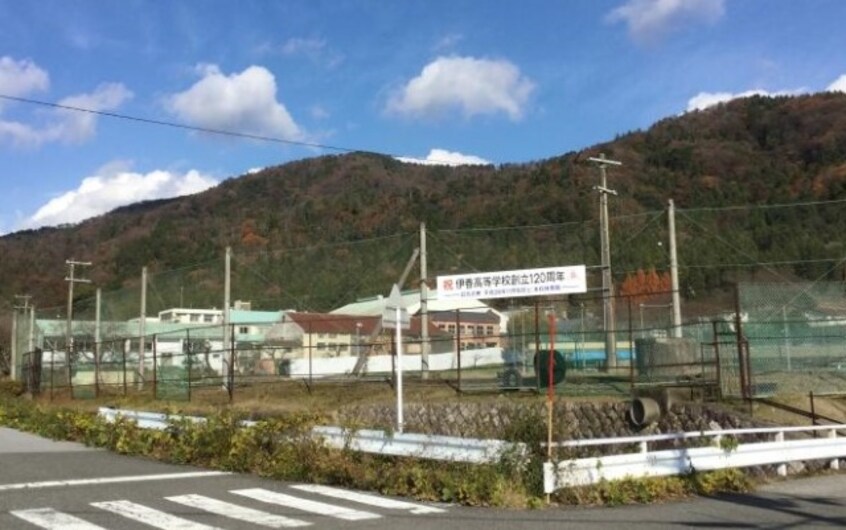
721	452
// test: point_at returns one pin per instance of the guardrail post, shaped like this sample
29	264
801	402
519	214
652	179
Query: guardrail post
835	464
643	447
781	470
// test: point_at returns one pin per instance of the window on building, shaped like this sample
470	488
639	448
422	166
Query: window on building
490	345
451	328
195	318
321	345
244	330
333	335
208	318
480	330
343	347
442	327
489	330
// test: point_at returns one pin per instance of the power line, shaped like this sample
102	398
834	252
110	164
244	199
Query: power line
761	206
210	130
183	126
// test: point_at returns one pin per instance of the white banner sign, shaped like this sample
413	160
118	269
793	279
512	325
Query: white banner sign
513	284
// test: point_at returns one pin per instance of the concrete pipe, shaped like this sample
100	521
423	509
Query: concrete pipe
644	411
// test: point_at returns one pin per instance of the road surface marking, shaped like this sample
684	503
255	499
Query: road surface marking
108	480
150	516
50	519
235	511
372	500
305	505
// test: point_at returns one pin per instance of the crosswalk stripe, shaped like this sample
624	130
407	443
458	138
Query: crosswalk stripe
364	498
51	519
234	511
305	505
150	516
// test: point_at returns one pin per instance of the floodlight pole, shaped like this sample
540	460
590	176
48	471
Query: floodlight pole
605	242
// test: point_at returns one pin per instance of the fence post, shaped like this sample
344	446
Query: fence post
310	348
813	410
781	470
631	349
231	375
97	348
537	345
123	349
189	361
835	464
155	367
718	366
458	345
52	369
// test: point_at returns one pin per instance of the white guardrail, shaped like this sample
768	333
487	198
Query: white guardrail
448	448
677	461
581	471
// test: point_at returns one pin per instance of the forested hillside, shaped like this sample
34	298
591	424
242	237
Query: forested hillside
307	234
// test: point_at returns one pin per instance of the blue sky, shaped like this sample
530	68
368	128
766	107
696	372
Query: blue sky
449	81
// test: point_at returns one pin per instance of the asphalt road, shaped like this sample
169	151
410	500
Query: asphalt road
45	484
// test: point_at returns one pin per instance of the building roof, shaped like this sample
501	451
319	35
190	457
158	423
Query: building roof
466	317
347	324
411	301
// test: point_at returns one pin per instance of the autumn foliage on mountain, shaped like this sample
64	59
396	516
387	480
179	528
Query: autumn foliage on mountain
307	233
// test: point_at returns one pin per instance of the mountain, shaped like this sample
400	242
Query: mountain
317	233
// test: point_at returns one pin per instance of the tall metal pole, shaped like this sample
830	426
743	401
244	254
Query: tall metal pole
31	341
13	360
227	283
142	321
97	348
400	420
605	243
424	306
97	306
71	279
674	271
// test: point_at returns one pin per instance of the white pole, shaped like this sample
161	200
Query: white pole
674	271
14	346
142	328
399	369
424	307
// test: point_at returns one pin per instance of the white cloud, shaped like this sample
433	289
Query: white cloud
299	45
19	78
648	20
839	84
448	41
703	100
243	102
442	157
465	84
113	187
65	125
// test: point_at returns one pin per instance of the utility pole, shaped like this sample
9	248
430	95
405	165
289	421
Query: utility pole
97	348
72	279
605	242
142	328
227	336
424	306
13	359
674	270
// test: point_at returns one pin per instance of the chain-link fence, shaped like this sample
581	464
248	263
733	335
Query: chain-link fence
796	336
473	348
